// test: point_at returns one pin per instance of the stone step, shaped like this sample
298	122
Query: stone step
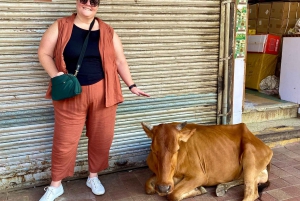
275	112
277	132
259	107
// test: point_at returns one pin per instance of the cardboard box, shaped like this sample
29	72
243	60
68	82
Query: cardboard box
253	11
252	24
283	10
258	67
264	10
262	26
280	44
266	43
281	26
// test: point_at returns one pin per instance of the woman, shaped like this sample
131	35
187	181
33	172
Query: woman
96	106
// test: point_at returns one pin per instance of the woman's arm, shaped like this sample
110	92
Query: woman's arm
46	49
123	68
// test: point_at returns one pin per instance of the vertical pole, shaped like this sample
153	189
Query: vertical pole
221	62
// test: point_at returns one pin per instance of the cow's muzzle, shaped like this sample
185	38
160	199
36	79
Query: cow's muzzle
163	189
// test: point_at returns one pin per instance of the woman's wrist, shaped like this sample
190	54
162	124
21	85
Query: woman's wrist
58	74
131	86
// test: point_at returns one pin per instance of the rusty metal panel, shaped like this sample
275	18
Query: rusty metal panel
172	48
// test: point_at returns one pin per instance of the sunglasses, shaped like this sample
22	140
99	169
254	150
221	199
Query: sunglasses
93	3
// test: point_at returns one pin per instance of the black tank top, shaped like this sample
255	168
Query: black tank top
91	70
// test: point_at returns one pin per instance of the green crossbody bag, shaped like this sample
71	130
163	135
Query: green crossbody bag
67	85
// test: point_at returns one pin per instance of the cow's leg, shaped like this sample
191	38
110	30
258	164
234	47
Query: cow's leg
196	191
250	191
223	188
187	188
150	185
251	172
263	177
176	180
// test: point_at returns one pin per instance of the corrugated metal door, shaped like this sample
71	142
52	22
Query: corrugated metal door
172	47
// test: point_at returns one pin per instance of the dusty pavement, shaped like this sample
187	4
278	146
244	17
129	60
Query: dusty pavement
129	185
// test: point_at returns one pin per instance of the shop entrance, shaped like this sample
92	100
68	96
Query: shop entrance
271	104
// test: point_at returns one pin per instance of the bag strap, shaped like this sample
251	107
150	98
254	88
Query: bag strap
83	48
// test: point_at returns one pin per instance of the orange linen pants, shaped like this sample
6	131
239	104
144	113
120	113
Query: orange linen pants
70	116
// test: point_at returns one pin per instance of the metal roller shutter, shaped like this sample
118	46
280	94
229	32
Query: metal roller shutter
172	47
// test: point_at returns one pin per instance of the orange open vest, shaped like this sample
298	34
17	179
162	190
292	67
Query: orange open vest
113	92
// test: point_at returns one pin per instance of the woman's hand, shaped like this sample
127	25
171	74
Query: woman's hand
138	92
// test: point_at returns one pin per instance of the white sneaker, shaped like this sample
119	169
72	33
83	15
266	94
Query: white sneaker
52	193
96	186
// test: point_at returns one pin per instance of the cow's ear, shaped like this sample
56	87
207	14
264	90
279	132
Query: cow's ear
181	126
148	129
186	134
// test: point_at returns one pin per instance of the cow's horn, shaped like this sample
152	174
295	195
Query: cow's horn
147	125
181	126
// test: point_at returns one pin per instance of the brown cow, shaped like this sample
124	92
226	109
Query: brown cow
184	157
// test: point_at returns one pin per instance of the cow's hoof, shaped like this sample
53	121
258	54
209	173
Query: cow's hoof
150	191
221	190
171	197
202	189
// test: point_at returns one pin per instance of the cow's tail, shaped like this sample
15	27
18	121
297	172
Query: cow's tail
263	186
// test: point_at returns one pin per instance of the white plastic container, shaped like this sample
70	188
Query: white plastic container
289	85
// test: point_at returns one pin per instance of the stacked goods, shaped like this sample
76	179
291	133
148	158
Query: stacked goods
273	17
253	13
268	20
261	58
283	17
259	17
262	22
